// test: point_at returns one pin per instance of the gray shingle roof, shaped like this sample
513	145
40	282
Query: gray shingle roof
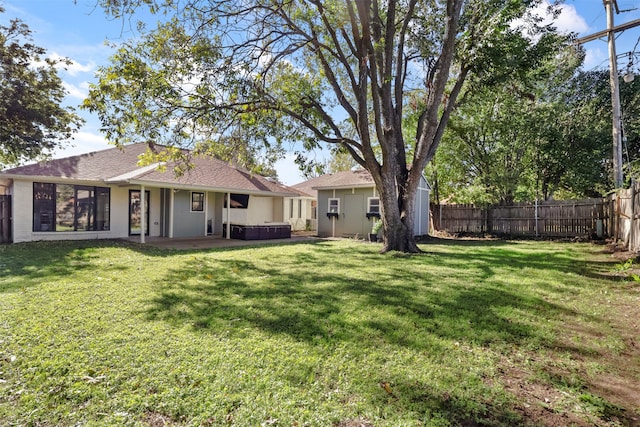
116	165
359	178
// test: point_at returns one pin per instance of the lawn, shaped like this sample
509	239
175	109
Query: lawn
330	333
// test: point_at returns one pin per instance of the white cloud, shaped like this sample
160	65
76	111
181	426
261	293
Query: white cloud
569	20
74	68
77	91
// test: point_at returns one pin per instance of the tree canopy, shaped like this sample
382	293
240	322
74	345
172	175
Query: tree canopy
33	121
557	143
337	72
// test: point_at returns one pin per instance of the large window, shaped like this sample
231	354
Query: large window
62	207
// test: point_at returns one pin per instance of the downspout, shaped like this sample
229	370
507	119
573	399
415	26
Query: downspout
143	217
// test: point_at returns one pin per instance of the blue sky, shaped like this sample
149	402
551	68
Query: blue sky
79	30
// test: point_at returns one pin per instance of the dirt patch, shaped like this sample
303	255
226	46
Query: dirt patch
155	419
353	423
540	404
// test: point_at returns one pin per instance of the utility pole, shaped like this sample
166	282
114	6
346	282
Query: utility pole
614	82
615	94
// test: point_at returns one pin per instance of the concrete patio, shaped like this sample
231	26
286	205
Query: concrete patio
217	241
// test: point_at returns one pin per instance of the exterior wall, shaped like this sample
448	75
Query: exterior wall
218	206
23	217
422	212
236	216
185	222
5	186
299	219
346	226
352	220
278	210
261	210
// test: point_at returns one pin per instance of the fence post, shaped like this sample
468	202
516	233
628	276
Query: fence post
632	240
536	208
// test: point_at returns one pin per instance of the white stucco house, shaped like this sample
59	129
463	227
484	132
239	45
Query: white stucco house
102	195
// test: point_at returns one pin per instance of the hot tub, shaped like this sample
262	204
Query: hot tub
258	232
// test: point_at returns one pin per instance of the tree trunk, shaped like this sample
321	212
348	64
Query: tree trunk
400	238
398	215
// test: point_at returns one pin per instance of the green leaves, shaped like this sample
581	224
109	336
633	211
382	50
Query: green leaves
32	120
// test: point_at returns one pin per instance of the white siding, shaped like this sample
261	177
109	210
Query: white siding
297	223
260	210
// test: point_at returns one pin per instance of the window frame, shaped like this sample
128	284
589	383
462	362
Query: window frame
371	213
238	201
97	211
200	202
331	213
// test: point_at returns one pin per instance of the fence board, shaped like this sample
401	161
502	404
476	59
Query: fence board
553	219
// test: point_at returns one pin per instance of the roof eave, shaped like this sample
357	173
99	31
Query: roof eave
343	187
195	187
50	178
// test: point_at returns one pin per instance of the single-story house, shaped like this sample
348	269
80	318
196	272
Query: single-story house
348	204
104	194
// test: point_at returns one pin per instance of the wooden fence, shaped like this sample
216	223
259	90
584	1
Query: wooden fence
552	219
5	219
625	226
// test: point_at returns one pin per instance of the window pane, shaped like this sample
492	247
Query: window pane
65	208
62	207
102	209
85	208
43	206
197	202
334	205
374	205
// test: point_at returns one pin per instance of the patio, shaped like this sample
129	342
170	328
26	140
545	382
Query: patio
217	241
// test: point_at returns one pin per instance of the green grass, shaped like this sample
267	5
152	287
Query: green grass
321	334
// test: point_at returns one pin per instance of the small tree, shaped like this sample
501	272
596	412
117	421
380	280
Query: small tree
32	120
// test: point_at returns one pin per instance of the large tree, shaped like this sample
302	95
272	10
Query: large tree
560	137
337	72
33	121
